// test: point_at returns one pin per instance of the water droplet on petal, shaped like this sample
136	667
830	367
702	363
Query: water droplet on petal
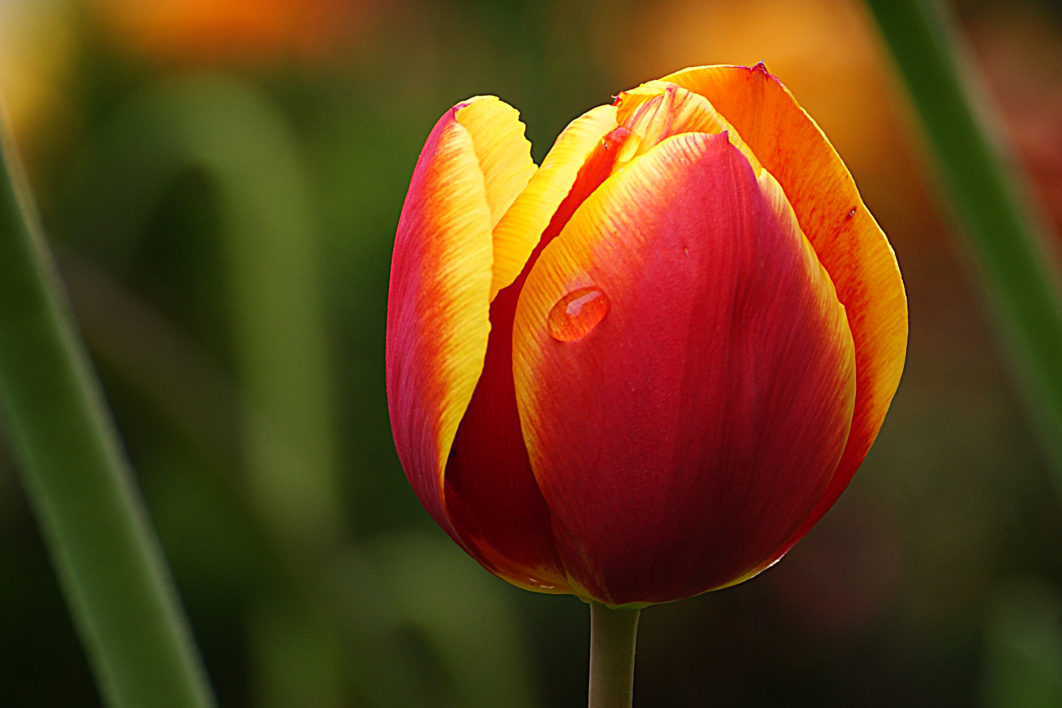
577	313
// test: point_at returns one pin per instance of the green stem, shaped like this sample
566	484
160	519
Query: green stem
1004	229
105	553
613	634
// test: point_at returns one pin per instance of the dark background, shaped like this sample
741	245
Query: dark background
221	183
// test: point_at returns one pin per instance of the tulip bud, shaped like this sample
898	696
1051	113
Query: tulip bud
646	368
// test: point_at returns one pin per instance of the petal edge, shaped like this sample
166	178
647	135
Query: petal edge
437	315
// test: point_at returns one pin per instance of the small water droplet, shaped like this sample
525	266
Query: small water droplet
577	313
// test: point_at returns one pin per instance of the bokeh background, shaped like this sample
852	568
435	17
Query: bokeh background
220	182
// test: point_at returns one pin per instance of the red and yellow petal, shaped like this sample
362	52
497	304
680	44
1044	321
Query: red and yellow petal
845	236
713	393
519	230
492	498
469	172
657	110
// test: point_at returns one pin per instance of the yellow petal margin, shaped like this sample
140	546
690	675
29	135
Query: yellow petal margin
518	232
471	169
503	152
657	110
847	239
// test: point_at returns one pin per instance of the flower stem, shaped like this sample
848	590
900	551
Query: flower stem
613	633
1004	228
104	550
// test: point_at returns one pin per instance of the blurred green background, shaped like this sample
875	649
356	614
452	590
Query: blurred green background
221	183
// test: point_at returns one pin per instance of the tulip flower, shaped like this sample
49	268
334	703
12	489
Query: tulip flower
646	368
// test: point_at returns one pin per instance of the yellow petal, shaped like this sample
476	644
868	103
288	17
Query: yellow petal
657	110
504	154
518	232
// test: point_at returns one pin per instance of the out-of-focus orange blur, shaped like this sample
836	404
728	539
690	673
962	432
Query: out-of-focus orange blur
205	32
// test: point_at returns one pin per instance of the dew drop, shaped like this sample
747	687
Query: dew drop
577	313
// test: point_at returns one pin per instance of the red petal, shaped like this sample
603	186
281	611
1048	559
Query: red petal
492	497
689	432
470	170
846	238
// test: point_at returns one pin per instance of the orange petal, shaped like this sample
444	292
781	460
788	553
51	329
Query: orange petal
686	406
438	304
845	236
519	230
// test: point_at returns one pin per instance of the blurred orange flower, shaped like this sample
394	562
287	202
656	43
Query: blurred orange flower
255	31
